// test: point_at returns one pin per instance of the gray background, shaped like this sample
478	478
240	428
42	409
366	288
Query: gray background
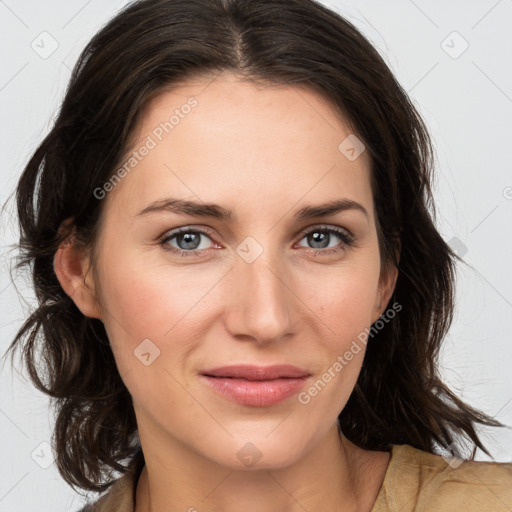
465	98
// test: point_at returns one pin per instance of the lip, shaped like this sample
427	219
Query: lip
256	386
253	372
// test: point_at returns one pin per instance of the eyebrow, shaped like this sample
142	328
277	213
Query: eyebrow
197	209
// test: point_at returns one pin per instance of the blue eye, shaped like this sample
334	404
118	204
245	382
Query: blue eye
189	241
323	235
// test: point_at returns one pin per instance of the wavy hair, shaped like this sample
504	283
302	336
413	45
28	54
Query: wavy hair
148	47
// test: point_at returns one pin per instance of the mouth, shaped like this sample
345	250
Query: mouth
257	373
256	386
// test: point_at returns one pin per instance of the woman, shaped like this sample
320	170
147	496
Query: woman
242	291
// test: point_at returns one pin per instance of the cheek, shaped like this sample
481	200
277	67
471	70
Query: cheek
158	301
162	303
344	307
344	297
174	307
153	324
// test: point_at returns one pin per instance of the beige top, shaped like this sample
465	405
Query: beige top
415	481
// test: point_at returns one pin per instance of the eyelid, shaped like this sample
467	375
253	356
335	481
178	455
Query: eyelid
185	229
203	229
344	234
312	227
162	239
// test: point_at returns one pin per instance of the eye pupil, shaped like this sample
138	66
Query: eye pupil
318	236
189	241
192	240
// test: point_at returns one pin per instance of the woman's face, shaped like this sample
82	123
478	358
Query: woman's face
260	288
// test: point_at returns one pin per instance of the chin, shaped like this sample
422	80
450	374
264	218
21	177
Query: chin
260	453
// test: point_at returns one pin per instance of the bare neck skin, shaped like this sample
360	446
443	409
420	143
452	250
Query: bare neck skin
334	475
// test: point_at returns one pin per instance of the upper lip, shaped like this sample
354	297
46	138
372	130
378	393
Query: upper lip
252	372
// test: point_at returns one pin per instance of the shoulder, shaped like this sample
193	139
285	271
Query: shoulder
418	480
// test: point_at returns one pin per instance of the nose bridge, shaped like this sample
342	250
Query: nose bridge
262	300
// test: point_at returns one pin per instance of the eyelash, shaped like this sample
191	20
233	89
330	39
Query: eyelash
346	238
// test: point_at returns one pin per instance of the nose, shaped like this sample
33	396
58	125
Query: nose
261	301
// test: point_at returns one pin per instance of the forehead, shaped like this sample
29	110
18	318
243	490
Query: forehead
227	102
220	138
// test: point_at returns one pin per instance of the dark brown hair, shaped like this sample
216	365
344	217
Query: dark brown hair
149	46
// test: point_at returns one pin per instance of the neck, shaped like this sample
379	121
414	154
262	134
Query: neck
334	475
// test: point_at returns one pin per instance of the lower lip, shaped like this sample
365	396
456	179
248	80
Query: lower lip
255	393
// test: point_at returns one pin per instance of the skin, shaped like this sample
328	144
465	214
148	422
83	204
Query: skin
263	152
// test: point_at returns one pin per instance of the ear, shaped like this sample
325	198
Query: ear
387	284
72	268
